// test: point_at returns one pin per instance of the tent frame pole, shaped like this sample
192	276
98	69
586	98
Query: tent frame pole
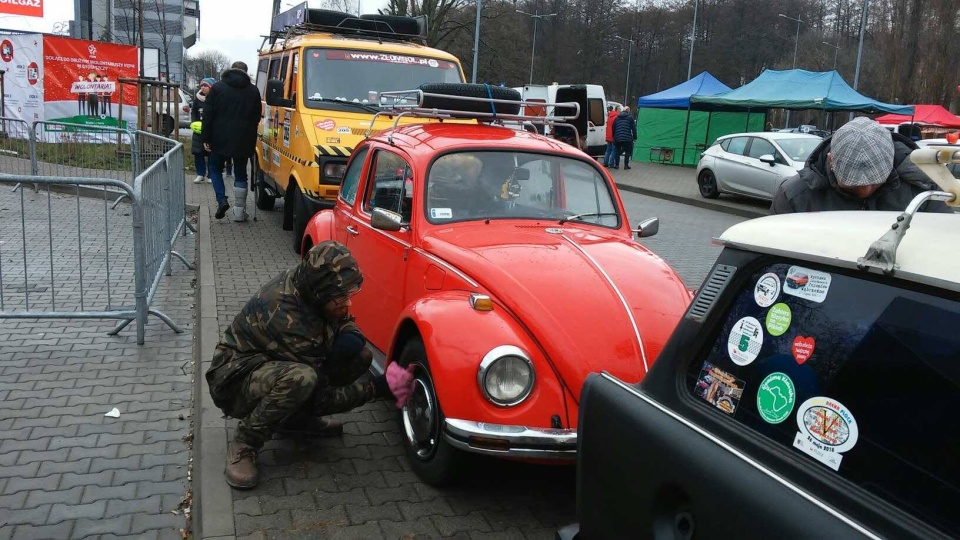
686	130
706	134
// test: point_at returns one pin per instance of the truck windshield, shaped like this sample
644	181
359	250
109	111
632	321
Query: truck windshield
355	76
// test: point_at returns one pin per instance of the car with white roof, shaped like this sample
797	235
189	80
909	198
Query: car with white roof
808	392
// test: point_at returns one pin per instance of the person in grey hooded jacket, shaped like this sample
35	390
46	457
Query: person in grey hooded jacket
861	167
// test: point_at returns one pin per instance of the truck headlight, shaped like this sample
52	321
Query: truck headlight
506	375
334	170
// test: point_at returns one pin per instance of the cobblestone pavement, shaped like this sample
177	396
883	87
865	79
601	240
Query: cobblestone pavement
66	470
360	486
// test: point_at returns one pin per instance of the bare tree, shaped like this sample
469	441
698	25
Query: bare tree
205	64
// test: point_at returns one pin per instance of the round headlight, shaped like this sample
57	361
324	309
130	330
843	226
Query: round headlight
506	375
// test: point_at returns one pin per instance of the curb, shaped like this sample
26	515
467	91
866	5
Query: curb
213	498
741	212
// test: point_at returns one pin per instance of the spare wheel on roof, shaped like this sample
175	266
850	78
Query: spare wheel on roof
470	90
327	17
408	26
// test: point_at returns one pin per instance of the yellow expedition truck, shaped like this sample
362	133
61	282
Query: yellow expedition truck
321	76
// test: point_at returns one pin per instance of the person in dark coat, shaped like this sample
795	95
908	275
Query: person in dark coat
861	167
229	130
624	134
196	144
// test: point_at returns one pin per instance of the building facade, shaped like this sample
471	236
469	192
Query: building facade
169	27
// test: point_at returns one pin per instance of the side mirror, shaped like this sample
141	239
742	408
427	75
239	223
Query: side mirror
385	220
274	96
648	227
768	159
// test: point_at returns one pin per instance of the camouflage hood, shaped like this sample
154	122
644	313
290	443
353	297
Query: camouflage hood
328	271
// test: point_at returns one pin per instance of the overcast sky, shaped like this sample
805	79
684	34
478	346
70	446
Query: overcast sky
229	26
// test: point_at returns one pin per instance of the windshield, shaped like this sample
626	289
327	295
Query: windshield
356	76
798	149
516	185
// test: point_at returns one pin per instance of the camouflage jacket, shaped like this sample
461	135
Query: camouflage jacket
276	324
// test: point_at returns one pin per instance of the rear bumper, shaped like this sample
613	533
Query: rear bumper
511	441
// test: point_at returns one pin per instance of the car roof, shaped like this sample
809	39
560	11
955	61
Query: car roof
432	138
840	238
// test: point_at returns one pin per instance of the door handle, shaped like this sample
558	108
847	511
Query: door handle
352	230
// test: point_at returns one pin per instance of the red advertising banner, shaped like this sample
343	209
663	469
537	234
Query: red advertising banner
80	81
27	8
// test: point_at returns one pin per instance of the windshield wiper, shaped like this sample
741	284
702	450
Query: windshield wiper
363	106
586	214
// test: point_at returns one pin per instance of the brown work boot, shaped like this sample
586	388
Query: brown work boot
241	471
310	426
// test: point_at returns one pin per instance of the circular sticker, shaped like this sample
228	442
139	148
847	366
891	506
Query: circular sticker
778	319
745	341
828	422
776	398
433	63
6	50
33	73
767	289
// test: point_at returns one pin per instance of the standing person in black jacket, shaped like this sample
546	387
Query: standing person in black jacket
624	134
861	167
229	130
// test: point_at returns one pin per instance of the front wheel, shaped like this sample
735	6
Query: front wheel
299	217
265	200
707	183
431	457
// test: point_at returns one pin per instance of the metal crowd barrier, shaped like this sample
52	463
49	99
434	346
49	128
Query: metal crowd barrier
65	255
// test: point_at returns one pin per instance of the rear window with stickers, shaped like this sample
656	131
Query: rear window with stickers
860	378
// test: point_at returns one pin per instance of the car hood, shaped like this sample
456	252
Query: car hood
570	288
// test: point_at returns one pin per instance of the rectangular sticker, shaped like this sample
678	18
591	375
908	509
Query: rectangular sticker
823	454
276	157
286	129
719	388
807	284
441	213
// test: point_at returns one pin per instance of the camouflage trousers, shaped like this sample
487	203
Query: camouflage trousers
279	391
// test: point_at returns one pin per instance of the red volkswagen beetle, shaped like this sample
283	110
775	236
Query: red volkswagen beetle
501	265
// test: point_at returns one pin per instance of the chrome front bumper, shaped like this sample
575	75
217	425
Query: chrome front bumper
511	441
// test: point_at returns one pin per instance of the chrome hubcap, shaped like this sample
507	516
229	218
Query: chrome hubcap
420	418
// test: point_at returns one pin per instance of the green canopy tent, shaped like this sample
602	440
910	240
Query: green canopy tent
668	131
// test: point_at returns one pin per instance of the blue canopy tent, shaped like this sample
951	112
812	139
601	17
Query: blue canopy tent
665	122
796	89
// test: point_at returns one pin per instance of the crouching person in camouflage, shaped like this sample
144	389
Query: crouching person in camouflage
292	355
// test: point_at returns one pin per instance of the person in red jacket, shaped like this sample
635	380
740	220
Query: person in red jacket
608	159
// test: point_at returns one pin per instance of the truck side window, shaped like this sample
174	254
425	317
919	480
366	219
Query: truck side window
597	115
853	376
262	75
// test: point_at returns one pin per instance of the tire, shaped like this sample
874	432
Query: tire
288	202
470	90
166	125
327	17
431	457
300	218
707	182
265	201
401	25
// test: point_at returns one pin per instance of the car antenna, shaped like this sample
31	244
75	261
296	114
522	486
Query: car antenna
933	160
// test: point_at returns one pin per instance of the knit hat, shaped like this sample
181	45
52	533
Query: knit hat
208	81
862	153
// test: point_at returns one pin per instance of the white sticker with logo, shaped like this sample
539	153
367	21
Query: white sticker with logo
827	430
745	341
767	289
807	284
441	213
276	157
343	130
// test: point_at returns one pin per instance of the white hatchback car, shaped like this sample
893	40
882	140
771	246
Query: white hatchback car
752	164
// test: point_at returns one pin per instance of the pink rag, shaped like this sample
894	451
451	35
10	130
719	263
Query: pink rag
400	381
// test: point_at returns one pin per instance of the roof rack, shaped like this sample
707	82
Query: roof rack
297	21
397	104
882	254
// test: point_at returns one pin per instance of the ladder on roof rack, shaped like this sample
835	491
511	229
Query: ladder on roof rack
397	104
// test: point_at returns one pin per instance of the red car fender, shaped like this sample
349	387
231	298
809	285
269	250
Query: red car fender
456	338
319	229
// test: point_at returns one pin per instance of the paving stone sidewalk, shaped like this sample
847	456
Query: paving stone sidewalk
66	470
359	485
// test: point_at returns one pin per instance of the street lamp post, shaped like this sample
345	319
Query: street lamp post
476	43
626	86
536	18
693	38
796	46
836	51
